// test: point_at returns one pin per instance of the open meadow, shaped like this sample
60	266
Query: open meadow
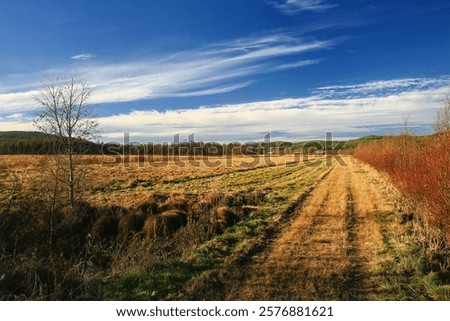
261	227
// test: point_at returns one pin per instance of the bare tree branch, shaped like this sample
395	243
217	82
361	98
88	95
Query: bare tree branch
66	114
442	122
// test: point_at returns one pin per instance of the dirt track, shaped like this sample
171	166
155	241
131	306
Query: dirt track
324	252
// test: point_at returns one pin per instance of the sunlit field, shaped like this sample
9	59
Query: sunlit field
225	228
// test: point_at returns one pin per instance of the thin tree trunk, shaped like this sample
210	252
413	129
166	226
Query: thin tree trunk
71	177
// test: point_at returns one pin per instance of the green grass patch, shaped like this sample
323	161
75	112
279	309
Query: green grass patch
160	283
401	266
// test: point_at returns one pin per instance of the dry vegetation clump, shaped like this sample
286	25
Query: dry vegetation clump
217	210
239	198
104	229
247	198
160	216
201	207
177	231
173	204
130	225
164	224
226	216
148	208
223	210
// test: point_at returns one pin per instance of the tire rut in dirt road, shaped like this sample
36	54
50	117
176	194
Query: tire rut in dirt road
308	255
354	274
368	203
324	252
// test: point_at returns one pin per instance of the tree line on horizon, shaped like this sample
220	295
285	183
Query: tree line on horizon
36	143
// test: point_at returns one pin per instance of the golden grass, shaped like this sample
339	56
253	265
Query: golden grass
333	243
137	173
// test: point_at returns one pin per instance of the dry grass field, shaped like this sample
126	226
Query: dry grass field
235	228
108	174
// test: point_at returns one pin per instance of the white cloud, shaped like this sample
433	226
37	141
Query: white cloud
292	7
16	125
84	56
17	102
301	63
347	110
213	70
218	68
288	119
15	116
382	87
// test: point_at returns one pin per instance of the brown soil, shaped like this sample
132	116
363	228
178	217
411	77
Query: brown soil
324	252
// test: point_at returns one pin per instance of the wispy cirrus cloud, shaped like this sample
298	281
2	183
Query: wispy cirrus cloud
217	69
213	69
292	7
301	63
83	56
382	87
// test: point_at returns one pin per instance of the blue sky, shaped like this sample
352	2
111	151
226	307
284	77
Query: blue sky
231	70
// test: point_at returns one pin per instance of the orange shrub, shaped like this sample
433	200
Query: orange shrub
420	167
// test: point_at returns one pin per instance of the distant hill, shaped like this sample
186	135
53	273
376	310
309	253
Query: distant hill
353	143
32	142
21	135
335	144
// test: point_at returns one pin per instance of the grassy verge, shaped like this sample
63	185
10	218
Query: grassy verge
404	270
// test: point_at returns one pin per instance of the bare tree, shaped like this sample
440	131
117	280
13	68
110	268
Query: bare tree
442	122
66	114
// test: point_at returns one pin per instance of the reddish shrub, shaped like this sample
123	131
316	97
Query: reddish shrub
420	167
